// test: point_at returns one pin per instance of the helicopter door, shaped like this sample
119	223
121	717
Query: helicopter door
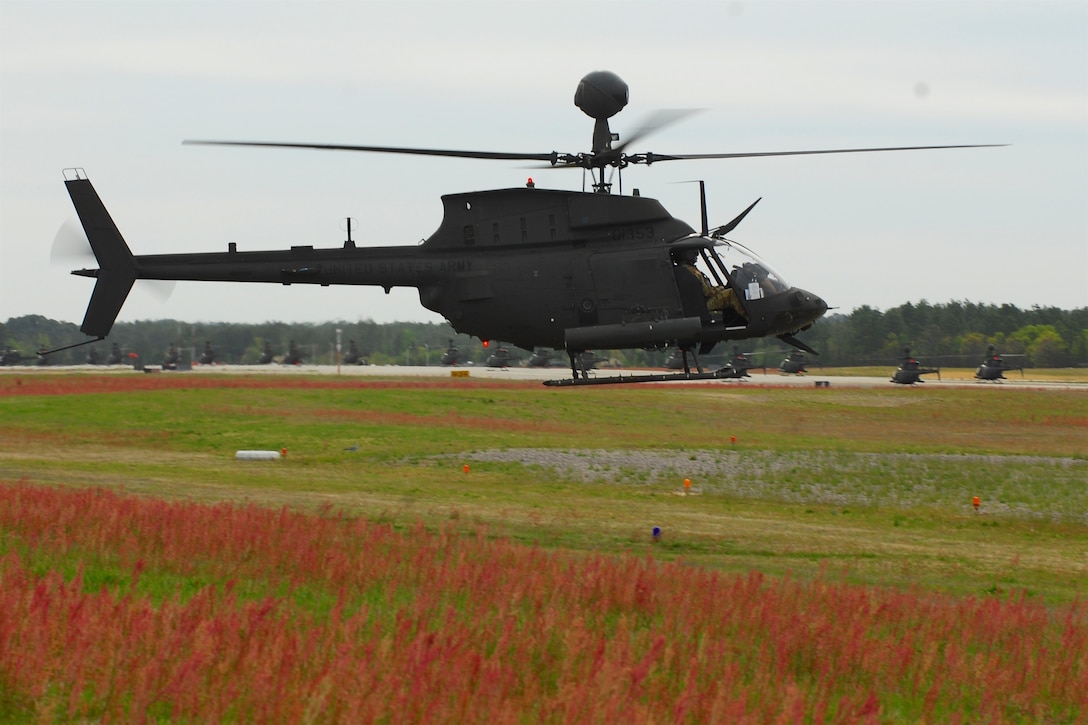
631	285
692	300
736	313
713	298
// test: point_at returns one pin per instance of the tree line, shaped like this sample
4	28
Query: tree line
954	334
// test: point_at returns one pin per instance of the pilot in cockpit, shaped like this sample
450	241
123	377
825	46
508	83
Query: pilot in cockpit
718	298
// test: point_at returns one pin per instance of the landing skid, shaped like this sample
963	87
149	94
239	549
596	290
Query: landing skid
652	378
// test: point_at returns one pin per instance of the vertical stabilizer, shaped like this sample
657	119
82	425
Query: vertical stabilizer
117	267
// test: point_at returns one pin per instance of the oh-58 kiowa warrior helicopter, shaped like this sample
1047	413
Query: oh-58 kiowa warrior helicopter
794	364
910	371
502	358
567	270
736	368
452	356
993	366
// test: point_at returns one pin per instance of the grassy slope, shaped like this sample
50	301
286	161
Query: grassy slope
412	439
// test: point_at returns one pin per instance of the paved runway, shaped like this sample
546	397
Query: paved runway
772	378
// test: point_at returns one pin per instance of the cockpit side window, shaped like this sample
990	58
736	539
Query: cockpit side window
749	275
698	291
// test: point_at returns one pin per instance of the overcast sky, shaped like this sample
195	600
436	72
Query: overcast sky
114	87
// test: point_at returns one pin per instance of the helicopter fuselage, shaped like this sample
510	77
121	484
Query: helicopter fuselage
994	369
910	372
533	267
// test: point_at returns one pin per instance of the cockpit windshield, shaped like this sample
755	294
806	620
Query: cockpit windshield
748	274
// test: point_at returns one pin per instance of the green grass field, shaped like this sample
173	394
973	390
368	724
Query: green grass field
874	485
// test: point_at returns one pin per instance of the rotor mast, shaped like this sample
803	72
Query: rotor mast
601	95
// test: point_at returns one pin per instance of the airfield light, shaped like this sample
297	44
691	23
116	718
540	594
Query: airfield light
466	468
657	533
732	440
687	486
283	453
976	502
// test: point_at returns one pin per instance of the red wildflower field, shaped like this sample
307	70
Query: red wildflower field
125	383
119	607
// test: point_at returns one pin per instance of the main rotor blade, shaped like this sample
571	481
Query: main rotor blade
587	161
654	157
499	155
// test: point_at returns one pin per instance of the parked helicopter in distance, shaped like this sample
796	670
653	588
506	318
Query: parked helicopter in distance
567	270
502	358
910	371
353	356
451	357
736	368
294	355
739	365
170	360
10	356
541	358
993	366
676	360
794	364
115	357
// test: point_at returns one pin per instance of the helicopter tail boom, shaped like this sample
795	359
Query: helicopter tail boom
117	267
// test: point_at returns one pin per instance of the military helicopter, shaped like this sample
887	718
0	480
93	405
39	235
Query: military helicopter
910	371
115	357
794	363
993	366
589	360
451	357
736	367
675	360
170	361
502	358
10	356
353	356
567	270
294	355
541	358
208	356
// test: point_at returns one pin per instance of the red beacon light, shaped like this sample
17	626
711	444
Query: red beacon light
487	343
529	184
